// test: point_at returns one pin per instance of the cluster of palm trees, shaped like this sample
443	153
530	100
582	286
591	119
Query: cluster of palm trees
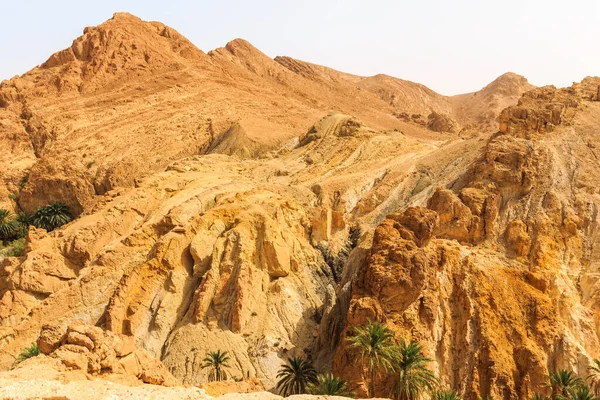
50	217
295	377
566	385
378	351
403	361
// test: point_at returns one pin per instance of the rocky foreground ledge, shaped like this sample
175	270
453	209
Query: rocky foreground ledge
84	362
40	389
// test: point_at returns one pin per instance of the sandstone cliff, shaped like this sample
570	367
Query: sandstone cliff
498	272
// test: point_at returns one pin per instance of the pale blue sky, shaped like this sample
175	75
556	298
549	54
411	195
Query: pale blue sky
452	46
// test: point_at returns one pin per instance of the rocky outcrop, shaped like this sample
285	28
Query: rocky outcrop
441	123
91	350
488	275
220	388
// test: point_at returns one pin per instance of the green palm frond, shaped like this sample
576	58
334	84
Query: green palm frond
445	395
9	229
537	396
594	376
561	381
413	378
216	361
52	216
295	376
377	348
582	392
329	385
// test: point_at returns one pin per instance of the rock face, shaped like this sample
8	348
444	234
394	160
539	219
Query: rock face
90	349
498	275
221	205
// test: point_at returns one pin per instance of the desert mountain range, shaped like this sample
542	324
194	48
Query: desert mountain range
267	206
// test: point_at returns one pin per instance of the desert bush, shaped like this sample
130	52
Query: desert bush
28	352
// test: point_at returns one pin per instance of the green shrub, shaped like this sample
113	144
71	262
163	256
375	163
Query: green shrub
329	385
28	352
445	395
8	227
16	248
52	216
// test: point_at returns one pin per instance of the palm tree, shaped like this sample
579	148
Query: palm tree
594	376
377	347
216	361
582	392
561	381
329	385
295	376
445	395
8	227
412	375
52	216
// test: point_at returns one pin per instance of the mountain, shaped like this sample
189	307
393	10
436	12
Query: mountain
265	207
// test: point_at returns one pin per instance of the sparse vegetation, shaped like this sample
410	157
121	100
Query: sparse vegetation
594	377
337	262
377	349
16	248
562	381
28	352
9	229
581	392
412	377
295	376
445	395
51	216
215	361
329	385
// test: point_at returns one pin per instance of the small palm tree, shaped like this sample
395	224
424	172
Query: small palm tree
28	352
295	376
329	385
445	395
216	361
561	381
594	376
377	347
8	228
413	378
52	216
582	392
